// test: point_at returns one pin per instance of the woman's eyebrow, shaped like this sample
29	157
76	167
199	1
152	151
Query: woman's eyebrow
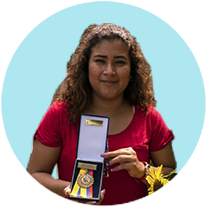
124	57
103	56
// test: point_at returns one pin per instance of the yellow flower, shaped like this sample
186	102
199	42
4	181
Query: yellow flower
156	179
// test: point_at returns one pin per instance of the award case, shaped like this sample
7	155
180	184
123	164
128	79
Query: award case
87	175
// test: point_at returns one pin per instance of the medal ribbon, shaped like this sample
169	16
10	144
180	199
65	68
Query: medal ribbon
78	191
90	189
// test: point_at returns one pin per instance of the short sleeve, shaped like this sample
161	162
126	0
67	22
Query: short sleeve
160	134
48	130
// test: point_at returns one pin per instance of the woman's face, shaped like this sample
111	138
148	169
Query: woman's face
109	69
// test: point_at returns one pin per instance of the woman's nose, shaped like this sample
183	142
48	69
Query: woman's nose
109	69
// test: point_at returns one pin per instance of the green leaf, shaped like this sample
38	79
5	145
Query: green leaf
171	175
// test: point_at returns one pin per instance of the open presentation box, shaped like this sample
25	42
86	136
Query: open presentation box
88	168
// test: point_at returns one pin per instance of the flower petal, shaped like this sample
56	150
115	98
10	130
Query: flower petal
152	172
165	182
150	180
158	174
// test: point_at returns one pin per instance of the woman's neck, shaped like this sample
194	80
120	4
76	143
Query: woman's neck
106	107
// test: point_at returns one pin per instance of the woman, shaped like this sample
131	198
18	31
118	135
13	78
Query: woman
108	76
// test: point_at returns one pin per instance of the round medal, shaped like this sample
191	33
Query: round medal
85	180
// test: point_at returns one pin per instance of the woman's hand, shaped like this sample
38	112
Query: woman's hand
127	158
67	191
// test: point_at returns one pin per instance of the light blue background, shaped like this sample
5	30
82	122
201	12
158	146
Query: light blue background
39	65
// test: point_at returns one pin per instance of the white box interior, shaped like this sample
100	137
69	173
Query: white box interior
92	139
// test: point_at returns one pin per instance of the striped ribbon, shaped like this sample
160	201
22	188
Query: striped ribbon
78	191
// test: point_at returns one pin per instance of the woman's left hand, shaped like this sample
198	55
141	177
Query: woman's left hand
127	159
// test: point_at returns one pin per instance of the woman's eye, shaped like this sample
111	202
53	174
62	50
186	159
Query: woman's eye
100	61
120	62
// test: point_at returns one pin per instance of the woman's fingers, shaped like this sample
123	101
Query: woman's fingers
126	166
122	159
123	151
126	158
102	195
67	191
120	156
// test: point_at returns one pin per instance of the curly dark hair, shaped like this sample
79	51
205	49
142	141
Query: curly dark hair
75	89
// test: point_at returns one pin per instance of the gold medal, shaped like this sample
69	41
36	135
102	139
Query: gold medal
85	180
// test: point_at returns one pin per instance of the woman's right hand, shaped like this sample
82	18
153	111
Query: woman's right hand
67	191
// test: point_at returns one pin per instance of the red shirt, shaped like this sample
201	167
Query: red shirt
144	134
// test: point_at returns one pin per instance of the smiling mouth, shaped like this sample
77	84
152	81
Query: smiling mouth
109	81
